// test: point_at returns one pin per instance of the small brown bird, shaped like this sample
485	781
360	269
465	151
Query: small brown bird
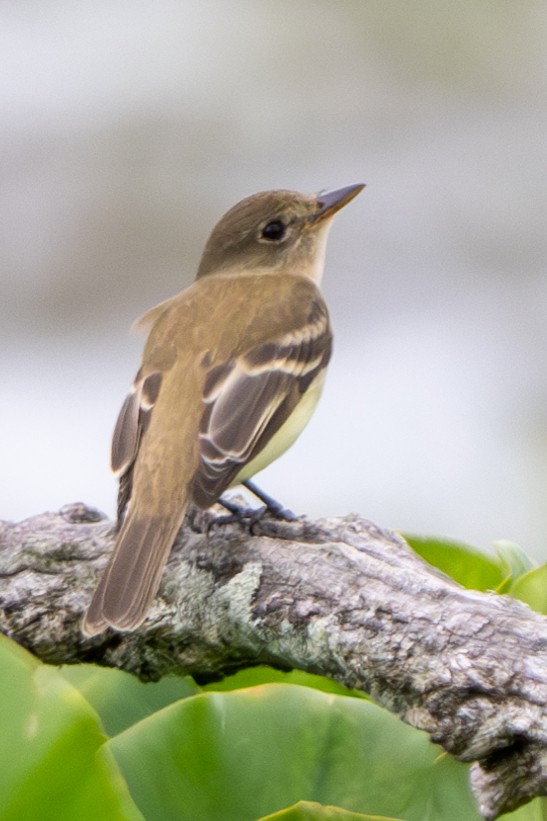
232	369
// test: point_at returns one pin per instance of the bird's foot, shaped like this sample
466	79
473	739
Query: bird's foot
240	513
249	517
244	516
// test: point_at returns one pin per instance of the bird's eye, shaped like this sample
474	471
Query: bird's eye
274	231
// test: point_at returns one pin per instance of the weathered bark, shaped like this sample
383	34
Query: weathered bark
338	597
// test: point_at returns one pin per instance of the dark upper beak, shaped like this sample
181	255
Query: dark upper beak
329	202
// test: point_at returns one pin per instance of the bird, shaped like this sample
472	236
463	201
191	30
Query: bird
232	369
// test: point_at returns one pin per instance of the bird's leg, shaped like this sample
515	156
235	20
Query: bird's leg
239	511
241	514
275	508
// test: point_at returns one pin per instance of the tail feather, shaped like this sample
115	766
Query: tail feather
131	580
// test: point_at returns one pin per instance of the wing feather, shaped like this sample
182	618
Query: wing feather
131	424
248	398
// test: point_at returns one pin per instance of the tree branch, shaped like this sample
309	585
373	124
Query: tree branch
338	597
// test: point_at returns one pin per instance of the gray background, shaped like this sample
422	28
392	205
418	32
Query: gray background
128	128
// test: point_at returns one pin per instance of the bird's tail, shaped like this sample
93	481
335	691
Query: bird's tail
132	577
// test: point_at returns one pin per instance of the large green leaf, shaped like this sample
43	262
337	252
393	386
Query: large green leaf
120	699
466	565
49	740
240	755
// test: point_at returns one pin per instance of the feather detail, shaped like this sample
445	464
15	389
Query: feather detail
133	420
249	398
131	580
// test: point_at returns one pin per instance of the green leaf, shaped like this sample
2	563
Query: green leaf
50	737
240	755
120	699
535	810
262	674
463	563
532	589
312	811
513	558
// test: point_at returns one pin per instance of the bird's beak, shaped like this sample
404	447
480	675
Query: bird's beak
329	202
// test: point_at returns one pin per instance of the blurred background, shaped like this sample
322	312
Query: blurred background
128	128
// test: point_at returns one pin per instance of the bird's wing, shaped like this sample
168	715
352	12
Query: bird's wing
247	399
132	421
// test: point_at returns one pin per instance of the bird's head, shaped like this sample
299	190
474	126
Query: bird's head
275	232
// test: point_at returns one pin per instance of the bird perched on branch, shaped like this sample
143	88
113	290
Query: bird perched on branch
231	372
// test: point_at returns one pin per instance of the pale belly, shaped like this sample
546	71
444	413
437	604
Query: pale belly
287	434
